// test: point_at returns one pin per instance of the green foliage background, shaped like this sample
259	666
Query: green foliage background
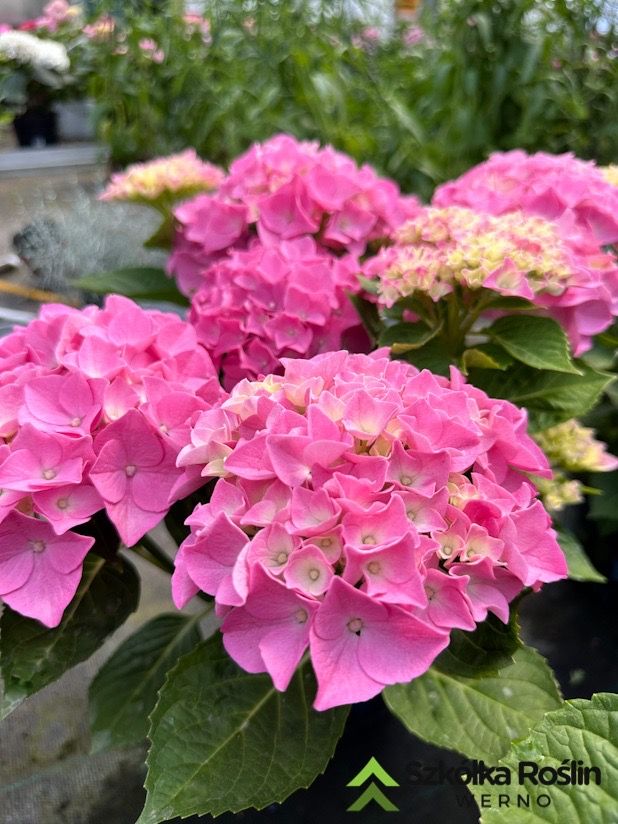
487	75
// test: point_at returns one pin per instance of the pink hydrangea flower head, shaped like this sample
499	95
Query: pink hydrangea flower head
95	406
264	303
363	509
176	177
284	190
540	184
551	263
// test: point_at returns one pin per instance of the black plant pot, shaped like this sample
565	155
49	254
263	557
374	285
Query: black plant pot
36	125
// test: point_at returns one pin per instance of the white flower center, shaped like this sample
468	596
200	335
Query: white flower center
301	616
355	625
130	470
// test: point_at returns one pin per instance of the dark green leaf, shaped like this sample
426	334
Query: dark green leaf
609	337
563	395
368	313
485	650
580	567
226	740
139	283
433	356
604	507
403	337
125	689
32	656
535	341
164	235
508	302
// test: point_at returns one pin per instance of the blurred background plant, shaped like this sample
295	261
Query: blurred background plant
87	237
421	101
31	70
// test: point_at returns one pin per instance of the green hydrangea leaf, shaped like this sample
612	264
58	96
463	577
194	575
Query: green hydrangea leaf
225	740
32	656
477	716
581	730
124	691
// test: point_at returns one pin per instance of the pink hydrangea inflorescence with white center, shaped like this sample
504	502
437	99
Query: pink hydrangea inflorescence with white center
553	264
540	184
95	406
173	178
363	510
283	190
263	303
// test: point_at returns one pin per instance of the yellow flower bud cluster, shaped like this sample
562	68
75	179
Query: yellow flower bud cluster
574	447
559	491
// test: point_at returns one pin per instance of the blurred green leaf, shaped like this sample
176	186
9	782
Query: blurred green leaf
580	567
144	282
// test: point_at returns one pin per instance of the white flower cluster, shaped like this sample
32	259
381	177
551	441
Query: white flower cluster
29	50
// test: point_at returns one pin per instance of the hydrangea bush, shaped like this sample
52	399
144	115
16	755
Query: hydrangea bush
354	439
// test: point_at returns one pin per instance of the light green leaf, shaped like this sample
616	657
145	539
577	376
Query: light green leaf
580	567
125	689
223	739
580	731
139	283
477	716
486	356
32	656
535	341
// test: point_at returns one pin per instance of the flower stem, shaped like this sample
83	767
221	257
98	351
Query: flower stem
158	557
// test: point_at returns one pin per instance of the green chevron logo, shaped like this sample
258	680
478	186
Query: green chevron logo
373	769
